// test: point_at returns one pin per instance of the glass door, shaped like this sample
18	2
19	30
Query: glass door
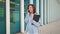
2	16
15	16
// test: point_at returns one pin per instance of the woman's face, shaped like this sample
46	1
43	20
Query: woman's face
30	9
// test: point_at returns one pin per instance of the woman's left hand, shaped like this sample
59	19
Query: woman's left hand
33	21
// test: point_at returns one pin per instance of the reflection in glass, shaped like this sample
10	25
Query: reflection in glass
2	17
14	16
40	7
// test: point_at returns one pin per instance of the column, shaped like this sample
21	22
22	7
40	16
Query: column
44	3
45	13
22	16
48	9
7	16
41	12
37	6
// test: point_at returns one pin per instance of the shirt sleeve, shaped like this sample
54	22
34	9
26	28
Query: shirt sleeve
26	18
36	24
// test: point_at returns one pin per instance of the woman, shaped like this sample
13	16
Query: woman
32	26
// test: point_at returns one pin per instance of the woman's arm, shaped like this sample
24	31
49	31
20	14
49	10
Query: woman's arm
26	18
36	23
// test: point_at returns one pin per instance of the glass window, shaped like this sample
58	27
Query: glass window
40	7
34	2
15	16
2	17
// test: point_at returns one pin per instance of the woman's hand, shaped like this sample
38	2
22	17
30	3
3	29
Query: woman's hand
33	21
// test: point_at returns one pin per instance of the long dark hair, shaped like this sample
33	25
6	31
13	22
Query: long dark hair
34	9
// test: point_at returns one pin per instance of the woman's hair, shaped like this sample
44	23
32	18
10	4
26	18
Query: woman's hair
34	9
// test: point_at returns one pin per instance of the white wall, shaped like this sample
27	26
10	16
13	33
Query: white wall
54	10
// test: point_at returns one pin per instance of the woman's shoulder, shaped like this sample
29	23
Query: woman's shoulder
27	14
36	14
